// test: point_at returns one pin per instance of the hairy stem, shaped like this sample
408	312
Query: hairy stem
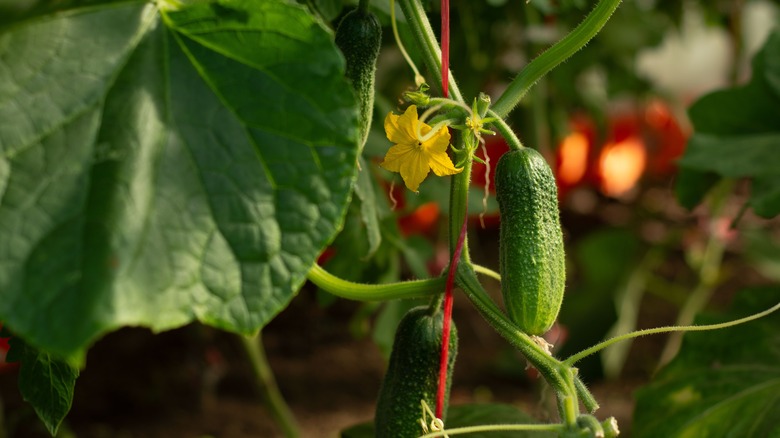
479	269
506	132
429	46
586	397
497	428
548	366
459	201
691	328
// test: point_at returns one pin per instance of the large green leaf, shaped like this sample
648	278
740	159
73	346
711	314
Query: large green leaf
158	167
737	135
737	156
724	383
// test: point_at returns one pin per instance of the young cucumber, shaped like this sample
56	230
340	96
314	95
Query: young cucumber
359	36
413	374
532	262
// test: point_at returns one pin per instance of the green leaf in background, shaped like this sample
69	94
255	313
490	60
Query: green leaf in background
327	9
762	251
724	383
737	135
603	262
386	323
162	167
691	186
765	196
45	382
369	210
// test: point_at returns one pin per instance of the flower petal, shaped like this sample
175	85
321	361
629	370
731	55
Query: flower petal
439	142
392	130
442	165
396	155
401	129
414	169
408	122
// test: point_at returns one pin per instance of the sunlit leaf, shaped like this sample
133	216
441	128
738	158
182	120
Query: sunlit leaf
737	135
162	167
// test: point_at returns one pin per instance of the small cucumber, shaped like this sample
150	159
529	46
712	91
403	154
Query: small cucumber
413	374
532	261
359	37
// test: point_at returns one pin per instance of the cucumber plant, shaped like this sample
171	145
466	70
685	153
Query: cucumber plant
171	161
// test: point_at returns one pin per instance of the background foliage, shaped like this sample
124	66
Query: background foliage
164	165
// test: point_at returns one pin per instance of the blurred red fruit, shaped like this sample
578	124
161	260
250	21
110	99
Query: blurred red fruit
637	143
620	166
422	220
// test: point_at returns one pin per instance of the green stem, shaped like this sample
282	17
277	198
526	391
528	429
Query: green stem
691	328
551	368
496	428
586	397
435	306
459	200
267	386
506	131
568	404
556	54
363	5
375	292
547	365
590	424
479	269
429	46
568	411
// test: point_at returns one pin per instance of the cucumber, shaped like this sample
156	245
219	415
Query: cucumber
359	37
413	374
531	253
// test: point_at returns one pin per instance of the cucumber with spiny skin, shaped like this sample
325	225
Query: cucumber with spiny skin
359	37
531	253
413	374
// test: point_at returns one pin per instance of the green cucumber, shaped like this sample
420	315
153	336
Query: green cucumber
359	37
413	374
532	260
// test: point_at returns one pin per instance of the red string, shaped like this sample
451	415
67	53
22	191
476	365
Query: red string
445	335
445	47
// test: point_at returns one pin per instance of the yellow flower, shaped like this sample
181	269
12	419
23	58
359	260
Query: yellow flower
416	150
